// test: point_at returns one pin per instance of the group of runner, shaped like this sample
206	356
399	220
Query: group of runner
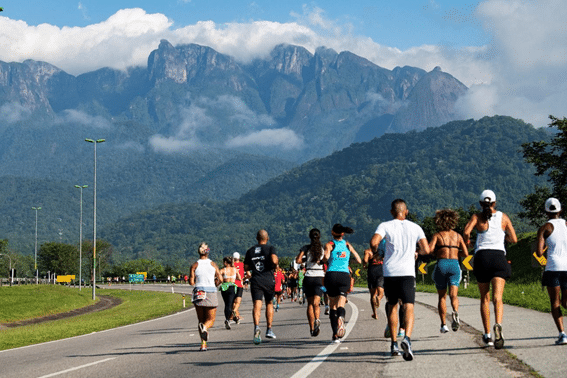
390	261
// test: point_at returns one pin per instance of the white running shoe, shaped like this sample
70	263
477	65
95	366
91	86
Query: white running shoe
456	321
444	328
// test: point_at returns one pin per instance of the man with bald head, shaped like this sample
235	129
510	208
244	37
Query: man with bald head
402	237
261	260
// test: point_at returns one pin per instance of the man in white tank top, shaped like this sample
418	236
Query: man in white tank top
553	234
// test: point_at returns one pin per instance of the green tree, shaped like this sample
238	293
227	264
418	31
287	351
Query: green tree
548	158
59	258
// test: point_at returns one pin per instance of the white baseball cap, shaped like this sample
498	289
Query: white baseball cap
552	205
236	255
487	196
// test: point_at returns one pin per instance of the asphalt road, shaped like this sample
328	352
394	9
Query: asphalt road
169	347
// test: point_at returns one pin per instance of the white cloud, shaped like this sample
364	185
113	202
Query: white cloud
523	68
77	117
282	138
161	143
14	112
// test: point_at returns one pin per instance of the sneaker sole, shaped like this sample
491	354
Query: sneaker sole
227	325
204	334
341	330
498	338
316	328
456	323
257	338
408	353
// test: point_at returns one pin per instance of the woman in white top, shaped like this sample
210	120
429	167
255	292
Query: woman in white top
490	264
553	234
311	255
205	276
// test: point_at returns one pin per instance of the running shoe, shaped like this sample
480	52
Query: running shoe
374	316
257	336
498	337
387	332
316	328
277	308
562	340
406	346
456	323
203	332
341	330
394	350
401	333
487	340
326	310
203	346
237	319
444	328
227	324
270	334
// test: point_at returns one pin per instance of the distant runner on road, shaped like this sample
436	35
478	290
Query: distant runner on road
205	276
553	234
238	299
337	278
228	288
402	237
261	259
447	245
490	264
375	276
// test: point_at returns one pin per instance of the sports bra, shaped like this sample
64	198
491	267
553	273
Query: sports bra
438	247
229	277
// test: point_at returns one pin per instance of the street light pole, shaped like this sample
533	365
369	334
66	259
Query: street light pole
11	276
35	263
95	142
81	236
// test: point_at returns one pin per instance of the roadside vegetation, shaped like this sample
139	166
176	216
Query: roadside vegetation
136	306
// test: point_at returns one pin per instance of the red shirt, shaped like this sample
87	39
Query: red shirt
240	267
279	276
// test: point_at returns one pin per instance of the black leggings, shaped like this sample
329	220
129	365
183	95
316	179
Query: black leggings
228	297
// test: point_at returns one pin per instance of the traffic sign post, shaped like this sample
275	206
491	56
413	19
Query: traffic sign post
423	271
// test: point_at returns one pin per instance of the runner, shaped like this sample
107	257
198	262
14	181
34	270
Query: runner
205	276
279	277
375	275
337	277
228	288
447	245
238	299
311	255
490	264
553	234
261	259
401	237
292	285
300	277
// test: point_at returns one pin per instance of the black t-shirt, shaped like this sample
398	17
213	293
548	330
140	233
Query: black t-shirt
259	261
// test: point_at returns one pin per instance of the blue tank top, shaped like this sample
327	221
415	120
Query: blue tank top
340	256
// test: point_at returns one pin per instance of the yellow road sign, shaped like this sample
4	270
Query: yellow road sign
541	260
66	279
467	262
357	272
422	268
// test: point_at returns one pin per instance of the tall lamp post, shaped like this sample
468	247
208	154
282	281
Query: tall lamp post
94	142
11	278
81	236
35	263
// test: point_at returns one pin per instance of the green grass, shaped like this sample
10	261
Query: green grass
136	306
31	301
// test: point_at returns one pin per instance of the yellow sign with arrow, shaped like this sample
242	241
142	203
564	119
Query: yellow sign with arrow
422	268
541	260
467	262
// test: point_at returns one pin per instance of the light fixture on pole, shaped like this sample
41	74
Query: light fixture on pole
35	261
94	142
11	278
81	236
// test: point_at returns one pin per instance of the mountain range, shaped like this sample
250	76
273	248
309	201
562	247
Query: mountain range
196	125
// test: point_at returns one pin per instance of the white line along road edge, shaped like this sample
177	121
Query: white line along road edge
77	368
322	356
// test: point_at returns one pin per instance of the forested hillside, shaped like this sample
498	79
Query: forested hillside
439	167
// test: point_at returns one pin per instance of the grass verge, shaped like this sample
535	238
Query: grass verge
136	306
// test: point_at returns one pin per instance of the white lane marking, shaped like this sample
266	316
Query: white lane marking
322	356
77	368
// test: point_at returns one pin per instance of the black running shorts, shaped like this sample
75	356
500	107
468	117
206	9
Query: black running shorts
313	286
399	288
375	276
260	292
337	283
239	292
490	263
555	279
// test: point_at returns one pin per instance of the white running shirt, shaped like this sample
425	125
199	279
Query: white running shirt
205	276
557	246
493	237
401	237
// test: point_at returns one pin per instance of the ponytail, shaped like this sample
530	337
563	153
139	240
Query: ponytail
486	213
315	247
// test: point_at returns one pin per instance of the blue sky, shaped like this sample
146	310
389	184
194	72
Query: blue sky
512	54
